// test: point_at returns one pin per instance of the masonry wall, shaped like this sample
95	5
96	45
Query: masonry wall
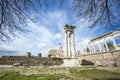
104	59
32	61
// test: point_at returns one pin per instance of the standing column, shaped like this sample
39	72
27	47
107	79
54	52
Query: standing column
73	45
85	50
89	49
66	44
114	42
99	46
69	44
94	47
60	50
107	49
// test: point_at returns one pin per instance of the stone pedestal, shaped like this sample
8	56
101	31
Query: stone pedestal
70	62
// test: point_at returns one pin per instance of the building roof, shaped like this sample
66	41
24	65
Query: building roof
105	35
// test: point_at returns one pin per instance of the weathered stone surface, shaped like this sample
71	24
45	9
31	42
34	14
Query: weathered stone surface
70	62
104	59
69	41
32	61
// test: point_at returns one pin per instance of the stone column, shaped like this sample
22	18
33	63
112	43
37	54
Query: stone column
94	47
107	49
69	49
73	45
28	54
86	50
89	49
60	52
99	46
66	44
114	42
39	55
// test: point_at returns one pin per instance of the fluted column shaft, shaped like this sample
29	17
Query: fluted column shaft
114	42
73	45
89	49
94	47
99	46
107	49
69	49
66	44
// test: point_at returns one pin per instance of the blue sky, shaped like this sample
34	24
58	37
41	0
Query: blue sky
48	31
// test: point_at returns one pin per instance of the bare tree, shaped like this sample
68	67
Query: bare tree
13	13
13	17
99	12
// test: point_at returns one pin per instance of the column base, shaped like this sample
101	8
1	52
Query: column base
70	62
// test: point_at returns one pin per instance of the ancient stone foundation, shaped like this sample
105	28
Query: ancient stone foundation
32	61
70	62
103	59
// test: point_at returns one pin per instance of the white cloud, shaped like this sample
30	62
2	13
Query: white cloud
58	36
47	33
42	36
41	44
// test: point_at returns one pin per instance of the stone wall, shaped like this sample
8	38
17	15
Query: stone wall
104	59
32	61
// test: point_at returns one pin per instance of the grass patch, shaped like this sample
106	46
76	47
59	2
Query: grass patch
17	76
84	73
95	74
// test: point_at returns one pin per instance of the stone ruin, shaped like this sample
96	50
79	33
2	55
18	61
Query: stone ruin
56	53
29	60
68	57
100	53
69	41
97	42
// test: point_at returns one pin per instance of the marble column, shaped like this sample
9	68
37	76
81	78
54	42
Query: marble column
86	50
69	49
99	46
106	46
66	44
73	45
94	48
114	42
89	49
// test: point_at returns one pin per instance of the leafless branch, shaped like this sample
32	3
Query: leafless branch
13	18
100	12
